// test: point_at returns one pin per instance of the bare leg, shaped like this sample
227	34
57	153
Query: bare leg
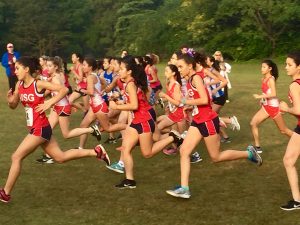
289	160
257	119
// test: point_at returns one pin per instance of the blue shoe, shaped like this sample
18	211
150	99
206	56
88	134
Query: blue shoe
179	192
195	157
254	156
116	167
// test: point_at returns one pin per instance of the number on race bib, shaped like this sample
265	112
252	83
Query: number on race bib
29	116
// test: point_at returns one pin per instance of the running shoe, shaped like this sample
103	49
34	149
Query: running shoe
45	159
291	205
254	156
225	140
116	167
235	123
170	151
179	192
161	103
126	184
110	140
195	157
177	137
102	154
258	149
4	197
96	132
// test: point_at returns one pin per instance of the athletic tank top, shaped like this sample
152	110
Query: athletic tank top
291	99
30	99
96	99
150	77
170	93
201	113
141	114
81	84
64	101
220	92
274	102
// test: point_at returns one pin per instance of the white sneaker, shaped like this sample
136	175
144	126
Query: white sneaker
235	123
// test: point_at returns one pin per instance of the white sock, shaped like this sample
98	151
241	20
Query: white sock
121	163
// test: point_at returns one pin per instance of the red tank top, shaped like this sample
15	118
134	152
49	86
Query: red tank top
170	92
81	84
201	113
150	77
291	99
141	114
31	98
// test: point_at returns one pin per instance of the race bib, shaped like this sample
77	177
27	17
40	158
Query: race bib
172	107
29	116
195	111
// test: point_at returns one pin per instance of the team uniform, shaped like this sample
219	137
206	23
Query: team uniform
204	118
142	120
270	105
44	74
176	113
37	122
80	84
155	86
297	129
97	103
108	77
219	97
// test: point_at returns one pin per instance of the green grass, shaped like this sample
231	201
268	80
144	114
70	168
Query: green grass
82	192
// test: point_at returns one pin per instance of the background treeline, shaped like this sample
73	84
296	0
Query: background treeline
242	29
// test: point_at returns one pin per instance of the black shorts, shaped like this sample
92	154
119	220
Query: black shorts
297	129
220	100
80	92
145	127
43	132
153	114
208	128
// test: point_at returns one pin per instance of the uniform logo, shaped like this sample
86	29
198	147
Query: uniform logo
27	97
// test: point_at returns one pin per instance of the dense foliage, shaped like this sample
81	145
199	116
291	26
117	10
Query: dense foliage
242	29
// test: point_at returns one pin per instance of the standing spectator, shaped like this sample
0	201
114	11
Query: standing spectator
8	61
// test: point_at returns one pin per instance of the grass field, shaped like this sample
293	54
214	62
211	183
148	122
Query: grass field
82	191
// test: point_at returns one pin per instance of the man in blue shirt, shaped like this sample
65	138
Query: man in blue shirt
8	62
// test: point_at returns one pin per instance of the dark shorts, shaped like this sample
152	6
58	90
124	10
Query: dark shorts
80	92
144	127
153	114
208	128
157	88
220	100
43	132
297	129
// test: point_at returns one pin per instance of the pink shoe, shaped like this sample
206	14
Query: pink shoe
4	197
170	151
102	154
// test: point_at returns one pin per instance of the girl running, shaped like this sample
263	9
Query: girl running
293	148
61	110
31	94
80	80
98	108
173	96
142	126
205	125
269	103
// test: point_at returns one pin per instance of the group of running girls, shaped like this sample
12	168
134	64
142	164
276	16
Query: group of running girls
121	94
